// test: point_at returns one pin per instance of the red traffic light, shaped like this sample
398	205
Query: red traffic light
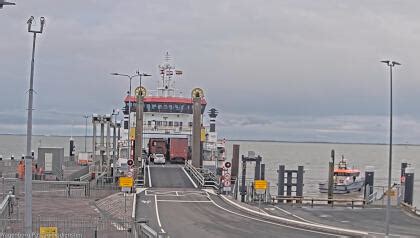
130	162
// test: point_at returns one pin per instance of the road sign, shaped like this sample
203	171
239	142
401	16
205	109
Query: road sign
126	182
226	177
130	162
48	231
228	164
260	184
130	174
226	183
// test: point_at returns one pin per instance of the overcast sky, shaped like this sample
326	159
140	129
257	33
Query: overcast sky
285	70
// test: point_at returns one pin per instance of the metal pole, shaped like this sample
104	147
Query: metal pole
129	119
388	204
28	158
86	121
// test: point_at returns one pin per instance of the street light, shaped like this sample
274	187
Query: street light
390	64
130	77
86	118
28	157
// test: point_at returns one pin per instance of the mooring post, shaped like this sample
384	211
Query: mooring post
243	185
331	176
299	182
369	181
257	174
409	185
280	184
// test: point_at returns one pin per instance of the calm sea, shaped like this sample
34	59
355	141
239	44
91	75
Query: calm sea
313	156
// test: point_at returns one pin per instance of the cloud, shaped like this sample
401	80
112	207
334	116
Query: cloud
291	61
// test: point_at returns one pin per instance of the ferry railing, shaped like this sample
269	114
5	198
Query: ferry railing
204	177
312	201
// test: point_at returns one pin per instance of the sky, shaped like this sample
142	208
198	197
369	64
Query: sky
278	70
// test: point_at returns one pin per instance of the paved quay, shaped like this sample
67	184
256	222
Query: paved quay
369	219
184	211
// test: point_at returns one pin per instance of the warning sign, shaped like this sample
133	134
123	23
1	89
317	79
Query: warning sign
260	184
48	232
126	182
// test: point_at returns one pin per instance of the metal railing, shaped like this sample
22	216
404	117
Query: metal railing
6	210
142	230
204	177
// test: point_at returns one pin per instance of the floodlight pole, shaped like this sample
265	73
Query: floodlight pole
391	64
28	157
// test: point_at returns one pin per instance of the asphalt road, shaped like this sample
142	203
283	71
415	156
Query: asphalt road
368	219
168	176
174	206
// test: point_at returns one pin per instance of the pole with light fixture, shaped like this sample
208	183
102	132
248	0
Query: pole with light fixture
390	64
28	157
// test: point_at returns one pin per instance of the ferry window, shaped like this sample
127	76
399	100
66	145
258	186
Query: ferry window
171	123
149	123
176	123
147	107
165	107
176	107
189	123
154	107
180	123
159	107
170	107
165	123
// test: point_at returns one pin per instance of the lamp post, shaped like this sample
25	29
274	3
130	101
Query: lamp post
130	77
390	64
86	121
28	157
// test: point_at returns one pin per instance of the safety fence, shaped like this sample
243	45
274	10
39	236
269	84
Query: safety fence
90	227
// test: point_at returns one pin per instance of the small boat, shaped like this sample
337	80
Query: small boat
346	180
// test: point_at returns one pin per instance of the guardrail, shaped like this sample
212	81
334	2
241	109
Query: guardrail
204	178
6	209
66	186
319	201
142	230
410	208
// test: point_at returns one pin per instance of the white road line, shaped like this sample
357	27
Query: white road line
269	222
295	216
192	181
183	201
150	177
157	214
315	225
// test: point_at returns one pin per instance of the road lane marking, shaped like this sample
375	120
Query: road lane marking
192	181
295	216
183	201
269	222
314	225
150	177
157	215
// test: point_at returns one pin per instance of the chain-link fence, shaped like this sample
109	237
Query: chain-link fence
89	227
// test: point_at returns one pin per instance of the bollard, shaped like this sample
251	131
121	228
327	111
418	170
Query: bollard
71	147
369	181
280	184
257	173
409	185
235	161
262	171
243	186
299	182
